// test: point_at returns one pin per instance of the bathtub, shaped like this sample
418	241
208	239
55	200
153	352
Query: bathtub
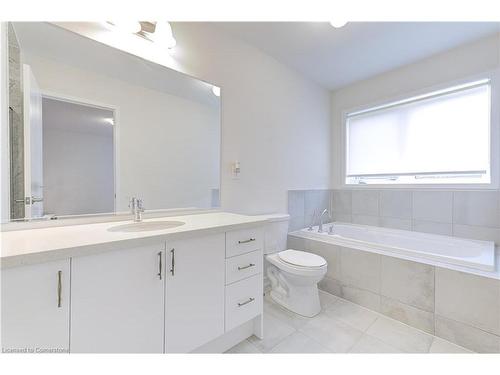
475	254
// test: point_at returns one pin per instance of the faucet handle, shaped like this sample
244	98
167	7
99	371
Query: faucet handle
131	202
140	204
311	224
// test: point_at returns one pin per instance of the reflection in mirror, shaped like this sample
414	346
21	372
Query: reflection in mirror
92	126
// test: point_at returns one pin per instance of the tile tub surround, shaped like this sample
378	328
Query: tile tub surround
340	327
459	307
462	213
302	204
470	214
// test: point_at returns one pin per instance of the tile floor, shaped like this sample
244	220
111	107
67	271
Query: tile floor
341	327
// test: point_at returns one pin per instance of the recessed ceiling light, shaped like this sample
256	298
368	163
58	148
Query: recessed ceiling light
338	23
216	90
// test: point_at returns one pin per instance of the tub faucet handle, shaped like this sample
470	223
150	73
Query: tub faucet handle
330	230
311	224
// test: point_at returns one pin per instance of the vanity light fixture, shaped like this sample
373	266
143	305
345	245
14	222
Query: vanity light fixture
216	90
131	27
159	32
338	23
163	34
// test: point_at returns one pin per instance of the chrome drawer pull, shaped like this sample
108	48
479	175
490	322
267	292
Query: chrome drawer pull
244	303
172	269
246	241
59	288
160	266
245	267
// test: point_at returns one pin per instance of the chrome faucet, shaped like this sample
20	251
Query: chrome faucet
320	228
137	208
313	217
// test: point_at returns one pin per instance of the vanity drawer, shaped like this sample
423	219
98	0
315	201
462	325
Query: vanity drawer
243	241
243	266
243	301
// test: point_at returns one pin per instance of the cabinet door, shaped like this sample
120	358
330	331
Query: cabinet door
35	307
195	292
117	303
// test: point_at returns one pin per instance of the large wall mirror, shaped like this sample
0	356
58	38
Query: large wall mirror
91	126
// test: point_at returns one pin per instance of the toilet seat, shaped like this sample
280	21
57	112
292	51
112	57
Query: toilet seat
301	258
294	269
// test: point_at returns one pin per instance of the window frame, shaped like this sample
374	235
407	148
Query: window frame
492	76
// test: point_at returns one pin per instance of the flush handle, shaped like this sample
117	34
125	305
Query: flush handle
246	241
245	267
251	299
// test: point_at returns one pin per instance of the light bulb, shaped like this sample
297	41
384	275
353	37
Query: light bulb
216	90
163	34
338	23
131	27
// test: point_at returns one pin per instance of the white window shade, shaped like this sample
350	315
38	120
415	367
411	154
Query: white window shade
441	133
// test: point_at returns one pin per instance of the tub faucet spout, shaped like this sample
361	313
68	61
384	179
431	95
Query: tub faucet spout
325	211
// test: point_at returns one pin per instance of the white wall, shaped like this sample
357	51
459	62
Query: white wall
77	172
274	121
460	63
166	164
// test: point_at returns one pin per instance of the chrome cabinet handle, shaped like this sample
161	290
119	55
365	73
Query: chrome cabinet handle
251	299
59	288
172	269
246	241
159	266
245	267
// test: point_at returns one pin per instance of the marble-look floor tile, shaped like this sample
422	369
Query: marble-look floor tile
244	347
369	344
400	335
275	330
327	299
443	346
294	320
352	314
299	343
332	333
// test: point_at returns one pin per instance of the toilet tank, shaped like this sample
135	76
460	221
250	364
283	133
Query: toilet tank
276	231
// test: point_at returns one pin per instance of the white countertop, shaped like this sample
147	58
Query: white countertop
44	244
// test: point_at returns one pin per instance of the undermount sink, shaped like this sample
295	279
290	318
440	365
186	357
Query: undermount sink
144	226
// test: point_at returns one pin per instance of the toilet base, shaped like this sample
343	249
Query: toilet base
303	301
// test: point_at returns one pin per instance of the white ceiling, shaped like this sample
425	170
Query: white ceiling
337	57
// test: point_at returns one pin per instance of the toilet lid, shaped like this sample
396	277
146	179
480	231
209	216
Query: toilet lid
301	258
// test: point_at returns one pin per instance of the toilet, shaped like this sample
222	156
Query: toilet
294	277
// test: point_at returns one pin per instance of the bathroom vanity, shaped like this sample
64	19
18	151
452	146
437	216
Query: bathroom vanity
96	288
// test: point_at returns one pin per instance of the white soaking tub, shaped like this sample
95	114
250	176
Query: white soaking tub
475	254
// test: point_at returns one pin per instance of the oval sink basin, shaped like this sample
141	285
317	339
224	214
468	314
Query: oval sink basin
144	226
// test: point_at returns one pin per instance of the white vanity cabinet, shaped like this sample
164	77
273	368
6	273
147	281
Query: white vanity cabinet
117	301
194	309
198	291
244	280
35	307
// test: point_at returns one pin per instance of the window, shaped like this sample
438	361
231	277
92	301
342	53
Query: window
439	138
